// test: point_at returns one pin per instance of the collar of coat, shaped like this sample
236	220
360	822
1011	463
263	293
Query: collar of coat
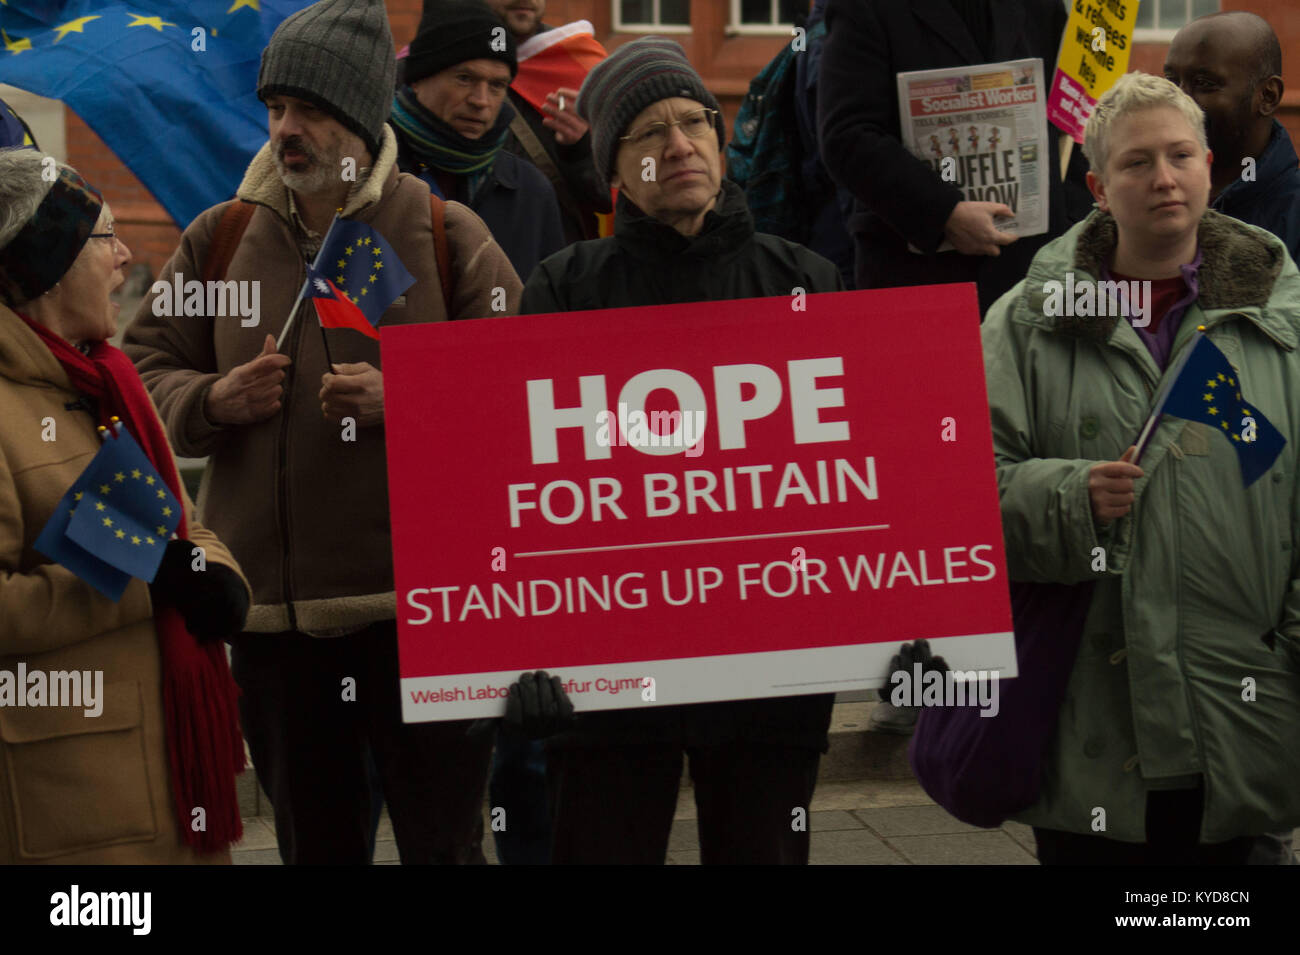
1240	267
24	357
1273	167
262	183
726	226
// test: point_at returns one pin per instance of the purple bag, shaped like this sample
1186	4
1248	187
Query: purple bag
984	769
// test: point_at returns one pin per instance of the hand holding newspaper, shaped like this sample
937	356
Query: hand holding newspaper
983	129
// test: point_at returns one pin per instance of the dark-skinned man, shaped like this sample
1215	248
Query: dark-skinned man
1231	65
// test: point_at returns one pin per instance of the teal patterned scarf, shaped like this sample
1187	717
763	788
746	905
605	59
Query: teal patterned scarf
436	144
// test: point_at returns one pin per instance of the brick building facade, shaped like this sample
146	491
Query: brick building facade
726	54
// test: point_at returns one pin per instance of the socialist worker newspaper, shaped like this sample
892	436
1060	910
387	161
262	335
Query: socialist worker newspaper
983	129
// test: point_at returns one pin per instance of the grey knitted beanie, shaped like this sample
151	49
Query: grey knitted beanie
627	81
339	55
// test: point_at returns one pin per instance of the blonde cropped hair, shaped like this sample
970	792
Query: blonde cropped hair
1132	93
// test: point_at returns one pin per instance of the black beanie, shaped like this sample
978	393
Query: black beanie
453	31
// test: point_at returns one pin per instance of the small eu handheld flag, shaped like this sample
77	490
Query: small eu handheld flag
361	264
1204	387
116	519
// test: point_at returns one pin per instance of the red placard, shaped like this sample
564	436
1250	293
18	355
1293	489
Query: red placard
825	491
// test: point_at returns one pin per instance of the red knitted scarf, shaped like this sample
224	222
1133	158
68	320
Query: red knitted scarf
204	745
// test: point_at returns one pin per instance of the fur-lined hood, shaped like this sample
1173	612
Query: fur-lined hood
262	184
1243	269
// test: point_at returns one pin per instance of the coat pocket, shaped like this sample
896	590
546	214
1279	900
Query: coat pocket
78	782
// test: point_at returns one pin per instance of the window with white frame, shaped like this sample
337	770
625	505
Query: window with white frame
766	16
1159	20
658	16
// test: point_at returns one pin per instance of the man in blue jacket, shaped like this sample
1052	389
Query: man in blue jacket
452	120
1231	65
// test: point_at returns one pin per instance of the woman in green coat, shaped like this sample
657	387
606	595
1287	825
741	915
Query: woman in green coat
1178	740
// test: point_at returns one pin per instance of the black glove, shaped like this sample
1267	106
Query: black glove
213	602
538	707
909	654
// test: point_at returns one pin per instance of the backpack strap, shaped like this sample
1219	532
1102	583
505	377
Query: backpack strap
233	222
441	250
225	239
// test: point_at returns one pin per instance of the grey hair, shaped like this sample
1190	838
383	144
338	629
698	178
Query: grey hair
1131	93
22	189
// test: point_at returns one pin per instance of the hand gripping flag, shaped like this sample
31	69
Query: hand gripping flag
355	278
1203	386
169	86
116	519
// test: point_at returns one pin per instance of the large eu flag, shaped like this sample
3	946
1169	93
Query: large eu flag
1206	388
171	88
116	519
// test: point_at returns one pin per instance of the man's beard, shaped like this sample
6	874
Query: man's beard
323	172
1228	138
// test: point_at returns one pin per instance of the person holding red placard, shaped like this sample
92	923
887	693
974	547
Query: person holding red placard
614	774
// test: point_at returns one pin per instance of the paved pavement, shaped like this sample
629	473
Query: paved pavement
868	810
871	822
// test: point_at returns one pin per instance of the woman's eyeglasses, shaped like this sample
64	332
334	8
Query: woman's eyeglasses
110	234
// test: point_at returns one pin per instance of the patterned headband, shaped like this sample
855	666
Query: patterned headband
45	248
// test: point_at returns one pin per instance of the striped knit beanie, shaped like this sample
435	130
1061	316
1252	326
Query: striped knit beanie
337	54
627	81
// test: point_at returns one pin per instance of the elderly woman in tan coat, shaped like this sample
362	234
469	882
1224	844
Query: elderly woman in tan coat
144	773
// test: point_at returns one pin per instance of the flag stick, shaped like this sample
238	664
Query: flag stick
302	292
1066	148
1158	408
323	337
293	313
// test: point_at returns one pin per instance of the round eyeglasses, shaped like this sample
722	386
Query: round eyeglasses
695	124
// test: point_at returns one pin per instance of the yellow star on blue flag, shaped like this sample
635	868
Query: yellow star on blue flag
1254	438
121	528
362	278
150	72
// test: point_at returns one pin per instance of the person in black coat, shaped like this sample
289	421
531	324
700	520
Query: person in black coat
685	235
1231	64
898	198
452	121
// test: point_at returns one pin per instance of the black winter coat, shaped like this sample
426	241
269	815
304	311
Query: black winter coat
1272	199
648	263
515	202
898	198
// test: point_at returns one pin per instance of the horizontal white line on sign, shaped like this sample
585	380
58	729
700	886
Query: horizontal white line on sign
701	540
